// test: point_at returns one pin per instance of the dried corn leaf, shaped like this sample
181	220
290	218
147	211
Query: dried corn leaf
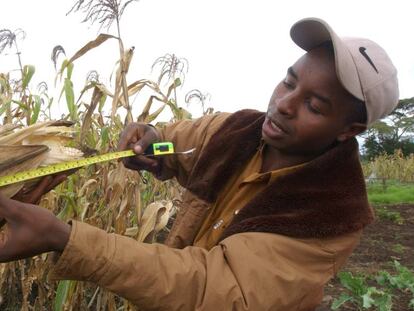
91	45
7	129
87	120
18	136
155	114
131	232
154	219
88	188
62	130
14	159
138	206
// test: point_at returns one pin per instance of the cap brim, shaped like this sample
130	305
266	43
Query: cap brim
309	33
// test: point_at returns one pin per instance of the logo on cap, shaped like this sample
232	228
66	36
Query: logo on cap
362	50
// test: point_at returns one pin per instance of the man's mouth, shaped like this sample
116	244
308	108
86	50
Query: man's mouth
276	125
273	129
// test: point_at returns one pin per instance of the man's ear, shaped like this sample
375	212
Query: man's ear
351	130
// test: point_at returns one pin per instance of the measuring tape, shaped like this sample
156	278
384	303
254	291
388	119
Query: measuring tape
156	149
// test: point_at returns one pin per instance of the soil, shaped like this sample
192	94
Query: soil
382	242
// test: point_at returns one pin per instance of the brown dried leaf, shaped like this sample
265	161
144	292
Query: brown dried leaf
14	159
154	219
91	45
87	120
18	136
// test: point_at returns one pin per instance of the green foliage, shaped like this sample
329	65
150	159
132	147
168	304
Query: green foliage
361	295
395	193
61	294
384	213
403	280
393	134
398	248
364	292
36	109
28	72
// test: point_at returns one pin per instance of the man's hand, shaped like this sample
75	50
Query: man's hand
138	136
47	183
31	230
34	194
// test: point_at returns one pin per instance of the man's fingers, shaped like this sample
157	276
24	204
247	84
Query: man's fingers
58	179
7	207
130	134
41	188
150	136
140	163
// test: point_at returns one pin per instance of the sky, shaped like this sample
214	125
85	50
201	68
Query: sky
237	50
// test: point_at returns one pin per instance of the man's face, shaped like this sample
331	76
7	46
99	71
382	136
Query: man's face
307	111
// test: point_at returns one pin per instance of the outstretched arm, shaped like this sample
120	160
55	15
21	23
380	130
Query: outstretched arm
31	230
247	271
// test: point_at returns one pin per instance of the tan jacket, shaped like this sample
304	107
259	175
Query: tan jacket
246	271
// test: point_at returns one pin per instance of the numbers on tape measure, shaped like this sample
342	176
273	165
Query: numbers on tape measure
155	149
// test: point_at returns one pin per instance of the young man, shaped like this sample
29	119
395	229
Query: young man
276	201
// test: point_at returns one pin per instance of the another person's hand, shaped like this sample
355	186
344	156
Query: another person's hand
46	184
138	137
31	230
34	194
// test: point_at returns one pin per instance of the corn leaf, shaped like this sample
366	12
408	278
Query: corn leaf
175	84
17	136
61	295
69	70
155	114
70	99
87	121
36	109
154	219
28	72
90	45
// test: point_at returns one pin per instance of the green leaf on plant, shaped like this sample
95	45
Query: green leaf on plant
36	109
70	99
61	295
28	72
340	301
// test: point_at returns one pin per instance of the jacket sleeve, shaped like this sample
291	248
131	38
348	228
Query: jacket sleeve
248	271
186	135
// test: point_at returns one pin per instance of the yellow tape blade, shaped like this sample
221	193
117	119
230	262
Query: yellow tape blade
61	167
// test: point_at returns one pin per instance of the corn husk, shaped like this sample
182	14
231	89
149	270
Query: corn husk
14	159
30	147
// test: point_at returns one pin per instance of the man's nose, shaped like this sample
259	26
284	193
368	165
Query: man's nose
287	105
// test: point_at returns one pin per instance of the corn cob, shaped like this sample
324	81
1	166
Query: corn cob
27	148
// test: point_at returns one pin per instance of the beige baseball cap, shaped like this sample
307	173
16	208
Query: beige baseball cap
362	66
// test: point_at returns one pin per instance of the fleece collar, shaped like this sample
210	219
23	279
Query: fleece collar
324	198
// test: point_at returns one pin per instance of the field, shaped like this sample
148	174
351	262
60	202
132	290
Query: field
139	206
388	239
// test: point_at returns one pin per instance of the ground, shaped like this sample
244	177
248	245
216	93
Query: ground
383	241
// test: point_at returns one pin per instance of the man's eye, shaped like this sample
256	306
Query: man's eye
312	108
288	85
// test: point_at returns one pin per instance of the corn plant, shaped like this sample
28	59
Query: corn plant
200	98
105	12
395	166
106	195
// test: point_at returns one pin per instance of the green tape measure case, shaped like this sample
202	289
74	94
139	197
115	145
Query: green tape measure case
158	149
